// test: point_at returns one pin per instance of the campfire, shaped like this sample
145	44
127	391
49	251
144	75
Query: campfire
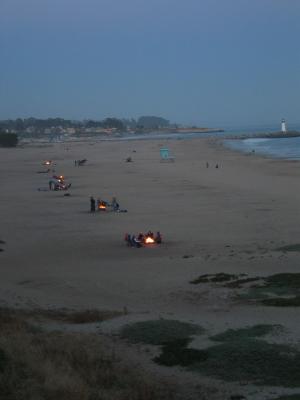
143	239
47	162
102	207
149	240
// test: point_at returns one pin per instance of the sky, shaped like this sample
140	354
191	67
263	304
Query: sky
205	62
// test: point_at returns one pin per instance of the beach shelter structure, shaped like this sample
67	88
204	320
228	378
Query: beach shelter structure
165	155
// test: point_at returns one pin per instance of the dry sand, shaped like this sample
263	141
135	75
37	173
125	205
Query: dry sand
227	219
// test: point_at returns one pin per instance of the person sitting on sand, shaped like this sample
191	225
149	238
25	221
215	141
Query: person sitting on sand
114	204
131	241
116	207
135	242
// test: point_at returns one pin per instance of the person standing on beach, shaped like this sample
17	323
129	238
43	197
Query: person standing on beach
93	204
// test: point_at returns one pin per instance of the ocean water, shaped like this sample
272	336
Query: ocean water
287	148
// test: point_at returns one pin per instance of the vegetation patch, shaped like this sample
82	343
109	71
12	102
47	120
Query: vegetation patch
290	247
286	280
80	317
252	360
160	332
220	277
279	290
3	360
62	315
177	353
240	282
64	366
241	357
289	397
245	333
245	360
282	302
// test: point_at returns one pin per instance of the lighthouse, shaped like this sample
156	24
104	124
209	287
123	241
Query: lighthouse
283	126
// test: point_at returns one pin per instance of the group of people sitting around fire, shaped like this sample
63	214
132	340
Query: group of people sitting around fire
142	239
102	205
57	182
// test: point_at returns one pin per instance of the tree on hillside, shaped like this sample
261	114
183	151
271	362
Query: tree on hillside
109	123
152	122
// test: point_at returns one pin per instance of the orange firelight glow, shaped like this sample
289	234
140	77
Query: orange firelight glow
149	240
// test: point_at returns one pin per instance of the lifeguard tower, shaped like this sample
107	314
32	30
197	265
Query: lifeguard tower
165	155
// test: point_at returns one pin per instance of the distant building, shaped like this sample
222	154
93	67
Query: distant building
283	126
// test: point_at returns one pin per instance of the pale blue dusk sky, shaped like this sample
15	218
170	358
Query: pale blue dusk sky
206	62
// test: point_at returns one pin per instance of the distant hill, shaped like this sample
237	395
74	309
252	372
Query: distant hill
152	122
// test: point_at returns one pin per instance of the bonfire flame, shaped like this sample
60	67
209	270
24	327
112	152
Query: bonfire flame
149	240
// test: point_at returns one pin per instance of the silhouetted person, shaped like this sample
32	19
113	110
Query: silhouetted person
158	237
135	242
93	204
98	204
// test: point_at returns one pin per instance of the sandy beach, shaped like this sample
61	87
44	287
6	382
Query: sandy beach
230	219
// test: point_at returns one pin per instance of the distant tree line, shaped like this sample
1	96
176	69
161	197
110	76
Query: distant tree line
20	125
152	122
